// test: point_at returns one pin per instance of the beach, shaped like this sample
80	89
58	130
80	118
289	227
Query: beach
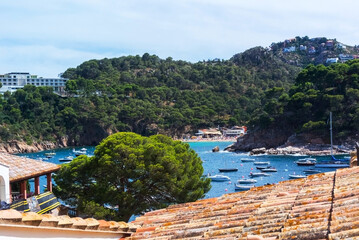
224	139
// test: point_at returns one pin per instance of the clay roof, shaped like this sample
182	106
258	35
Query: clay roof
24	168
321	206
15	219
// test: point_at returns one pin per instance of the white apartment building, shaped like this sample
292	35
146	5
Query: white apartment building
16	80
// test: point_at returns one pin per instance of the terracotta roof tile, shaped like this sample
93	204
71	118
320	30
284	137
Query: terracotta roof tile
49	220
92	224
10	216
14	218
31	218
320	206
78	223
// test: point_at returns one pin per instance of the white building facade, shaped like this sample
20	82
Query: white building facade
16	80
4	183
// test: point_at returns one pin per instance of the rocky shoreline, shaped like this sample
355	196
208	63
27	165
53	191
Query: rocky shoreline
22	147
303	150
308	149
282	142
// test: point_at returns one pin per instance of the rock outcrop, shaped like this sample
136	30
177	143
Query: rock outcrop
261	139
281	143
23	147
215	149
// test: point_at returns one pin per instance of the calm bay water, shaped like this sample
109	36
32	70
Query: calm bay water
211	163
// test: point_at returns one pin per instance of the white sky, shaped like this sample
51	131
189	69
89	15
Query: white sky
45	37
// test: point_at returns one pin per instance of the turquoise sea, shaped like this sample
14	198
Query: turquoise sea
212	162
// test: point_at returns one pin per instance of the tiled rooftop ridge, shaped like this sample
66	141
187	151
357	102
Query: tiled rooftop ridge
321	206
24	168
14	218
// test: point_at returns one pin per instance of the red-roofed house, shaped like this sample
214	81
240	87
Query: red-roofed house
18	170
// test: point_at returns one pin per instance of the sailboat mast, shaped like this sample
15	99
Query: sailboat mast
331	134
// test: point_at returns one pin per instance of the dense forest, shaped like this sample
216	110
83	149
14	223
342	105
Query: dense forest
146	95
305	108
149	95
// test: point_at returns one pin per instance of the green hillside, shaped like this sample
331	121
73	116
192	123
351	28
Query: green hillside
149	95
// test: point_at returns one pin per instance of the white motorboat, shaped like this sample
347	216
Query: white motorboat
246	181
269	169
50	154
306	162
240	187
79	152
219	178
247	159
261	163
296	176
259	174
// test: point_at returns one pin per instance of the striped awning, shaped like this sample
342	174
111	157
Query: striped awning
40	204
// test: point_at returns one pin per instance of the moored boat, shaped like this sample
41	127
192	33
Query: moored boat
219	178
240	187
261	167
261	163
247	159
296	176
259	174
311	171
306	162
66	159
50	154
228	169
269	169
246	181
79	152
